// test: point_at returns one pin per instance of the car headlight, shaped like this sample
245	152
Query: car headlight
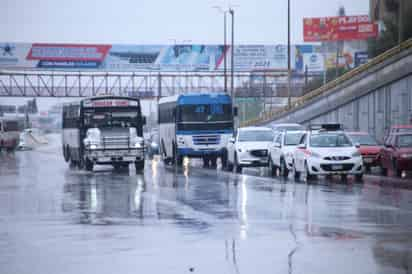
153	144
356	154
93	147
406	155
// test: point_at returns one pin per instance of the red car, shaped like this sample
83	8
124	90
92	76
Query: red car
369	148
397	154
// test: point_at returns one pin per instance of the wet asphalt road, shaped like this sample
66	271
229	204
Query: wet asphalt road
194	220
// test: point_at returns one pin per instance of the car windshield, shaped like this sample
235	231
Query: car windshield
329	140
363	140
255	136
405	141
293	139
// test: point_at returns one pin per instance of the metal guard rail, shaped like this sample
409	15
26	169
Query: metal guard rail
268	116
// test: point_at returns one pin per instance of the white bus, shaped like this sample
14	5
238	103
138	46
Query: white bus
196	126
103	130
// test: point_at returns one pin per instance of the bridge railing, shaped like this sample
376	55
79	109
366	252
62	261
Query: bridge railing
270	115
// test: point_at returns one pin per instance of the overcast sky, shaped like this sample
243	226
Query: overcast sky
156	21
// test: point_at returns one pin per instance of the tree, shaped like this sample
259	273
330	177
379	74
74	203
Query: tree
389	36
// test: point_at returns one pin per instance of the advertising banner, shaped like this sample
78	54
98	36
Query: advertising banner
68	55
361	58
160	58
338	28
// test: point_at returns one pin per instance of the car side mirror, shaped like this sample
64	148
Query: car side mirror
357	145
235	111
277	145
301	146
388	145
232	140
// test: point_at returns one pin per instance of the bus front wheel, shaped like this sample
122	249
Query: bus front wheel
139	165
89	165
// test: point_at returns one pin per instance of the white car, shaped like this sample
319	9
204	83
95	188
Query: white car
281	152
249	148
327	151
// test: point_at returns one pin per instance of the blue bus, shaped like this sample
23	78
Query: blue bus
196	126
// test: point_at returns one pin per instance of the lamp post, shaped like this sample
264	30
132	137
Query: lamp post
289	69
224	44
232	63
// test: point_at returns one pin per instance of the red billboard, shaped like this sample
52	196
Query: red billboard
338	28
68	52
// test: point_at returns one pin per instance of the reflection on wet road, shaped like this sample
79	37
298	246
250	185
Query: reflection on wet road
193	220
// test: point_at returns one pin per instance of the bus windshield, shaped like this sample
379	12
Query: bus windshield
110	117
205	113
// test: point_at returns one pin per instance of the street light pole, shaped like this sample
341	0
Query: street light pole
289	69
224	50
232	71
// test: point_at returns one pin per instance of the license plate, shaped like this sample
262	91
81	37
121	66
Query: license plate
337	167
368	160
116	153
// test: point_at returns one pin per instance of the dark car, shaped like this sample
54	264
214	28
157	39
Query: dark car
397	154
369	148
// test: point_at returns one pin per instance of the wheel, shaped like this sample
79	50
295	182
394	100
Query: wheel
139	165
284	172
306	174
80	163
296	174
66	154
205	161
224	160
359	177
237	168
177	159
397	171
272	168
213	162
72	164
88	165
229	166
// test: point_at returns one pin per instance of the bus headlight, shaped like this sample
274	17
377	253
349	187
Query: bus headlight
138	142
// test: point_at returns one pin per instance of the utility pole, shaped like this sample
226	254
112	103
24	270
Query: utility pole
339	44
289	66
232	72
224	50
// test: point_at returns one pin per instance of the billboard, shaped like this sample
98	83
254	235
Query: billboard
68	55
338	28
158	58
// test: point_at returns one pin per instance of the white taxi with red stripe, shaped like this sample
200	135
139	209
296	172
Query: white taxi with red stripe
327	150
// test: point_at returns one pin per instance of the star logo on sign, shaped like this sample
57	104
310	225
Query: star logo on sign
7	49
